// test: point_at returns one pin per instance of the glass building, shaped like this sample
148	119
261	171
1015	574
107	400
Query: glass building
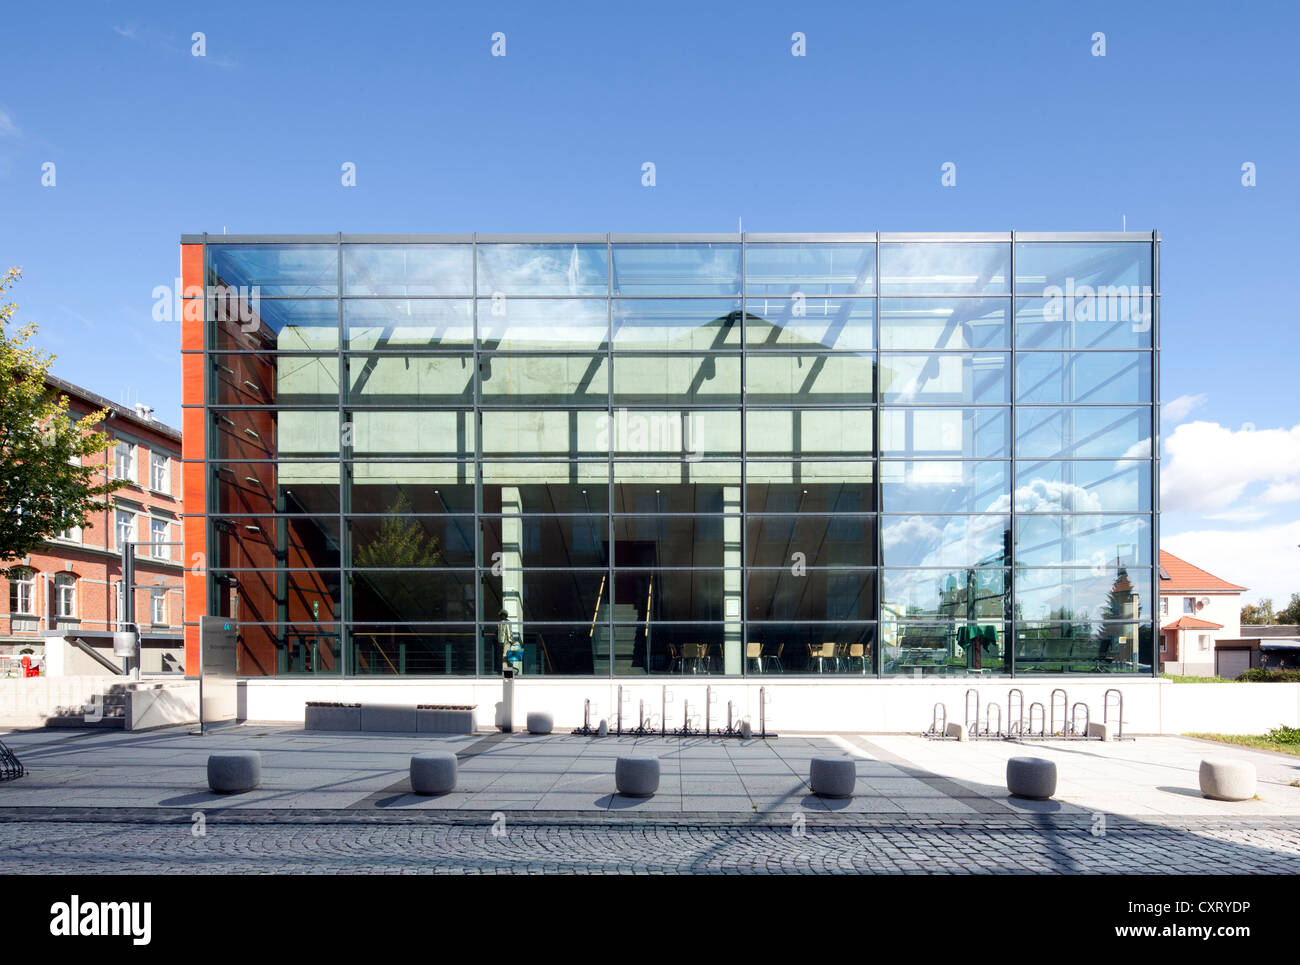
874	454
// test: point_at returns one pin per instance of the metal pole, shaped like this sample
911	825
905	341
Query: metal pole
126	619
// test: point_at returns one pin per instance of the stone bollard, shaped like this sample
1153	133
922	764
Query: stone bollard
1225	780
636	776
433	772
833	776
1031	777
233	771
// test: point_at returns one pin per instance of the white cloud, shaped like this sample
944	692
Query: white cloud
1180	408
1287	492
1265	559
1207	467
7	126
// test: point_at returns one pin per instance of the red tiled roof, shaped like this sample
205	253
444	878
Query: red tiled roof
1186	578
1192	623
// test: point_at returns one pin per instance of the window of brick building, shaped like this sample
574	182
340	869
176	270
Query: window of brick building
124	461
158	537
160	479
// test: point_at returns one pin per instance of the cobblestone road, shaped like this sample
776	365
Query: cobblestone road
231	845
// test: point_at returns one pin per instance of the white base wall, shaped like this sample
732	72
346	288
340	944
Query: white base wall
865	706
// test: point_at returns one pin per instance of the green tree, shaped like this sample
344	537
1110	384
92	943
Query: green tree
401	541
1258	614
45	485
1291	613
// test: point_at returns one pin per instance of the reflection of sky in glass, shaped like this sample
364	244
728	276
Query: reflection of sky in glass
1079	594
1040	264
1082	323
943	378
933	268
811	269
521	323
942	540
1092	487
1092	541
1083	377
408	270
944	487
1100	431
276	269
542	270
686	269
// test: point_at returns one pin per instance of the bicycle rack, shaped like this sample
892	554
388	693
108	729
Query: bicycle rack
663	713
972	724
708	707
1074	721
988	731
733	728
1042	716
618	732
1050	728
763	700
1015	718
938	731
10	766
643	729
686	730
1119	716
586	730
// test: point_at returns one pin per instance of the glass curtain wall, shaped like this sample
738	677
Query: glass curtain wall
703	457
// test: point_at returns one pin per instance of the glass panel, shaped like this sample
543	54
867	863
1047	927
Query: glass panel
519	324
546	596
944	540
1087	432
692	541
1083	323
1083	377
676	648
841	324
673	594
545	487
944	268
673	487
546	540
308	648
806	486
555	432
823	432
969	594
278	595
431	595
801	379
552	649
965	433
806	647
684	269
408	270
923	649
265	379
413	434
268	433
677	324
945	323
1075	266
1083	647
542	269
955	378
810	269
814	594
545	379
802	541
275	269
411	649
1104	593
410	380
677	379
265	542
1096	542
692	435
412	487
945	487
401	540
269	324
262	488
1123	486
404	324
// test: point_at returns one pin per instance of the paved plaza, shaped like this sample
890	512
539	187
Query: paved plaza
106	801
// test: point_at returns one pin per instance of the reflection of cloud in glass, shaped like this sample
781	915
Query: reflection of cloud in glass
508	323
943	540
542	270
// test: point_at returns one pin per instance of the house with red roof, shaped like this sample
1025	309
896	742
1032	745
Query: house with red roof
1197	608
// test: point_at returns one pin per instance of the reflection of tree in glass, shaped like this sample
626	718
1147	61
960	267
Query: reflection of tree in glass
403	543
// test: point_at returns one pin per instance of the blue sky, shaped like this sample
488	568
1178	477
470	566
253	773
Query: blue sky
149	142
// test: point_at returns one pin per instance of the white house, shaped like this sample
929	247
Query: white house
1196	609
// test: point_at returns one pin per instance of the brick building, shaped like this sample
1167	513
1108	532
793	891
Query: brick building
72	585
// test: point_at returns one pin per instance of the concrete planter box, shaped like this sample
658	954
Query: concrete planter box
388	717
430	720
332	717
